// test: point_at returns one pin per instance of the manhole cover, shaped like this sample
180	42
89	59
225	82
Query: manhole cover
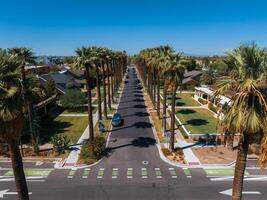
144	162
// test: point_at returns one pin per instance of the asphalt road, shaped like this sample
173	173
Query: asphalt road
133	169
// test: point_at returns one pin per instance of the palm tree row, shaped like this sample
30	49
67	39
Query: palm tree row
246	116
109	68
157	65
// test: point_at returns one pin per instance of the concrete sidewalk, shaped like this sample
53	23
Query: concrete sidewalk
73	157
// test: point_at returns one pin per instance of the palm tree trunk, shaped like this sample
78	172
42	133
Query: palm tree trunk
154	89
113	81
173	119
19	175
158	96
32	133
89	98
164	107
240	167
99	102
109	94
104	91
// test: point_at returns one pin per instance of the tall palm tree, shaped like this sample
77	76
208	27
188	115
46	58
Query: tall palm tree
165	53
174	75
11	112
209	76
26	55
247	114
103	55
108	62
96	53
86	61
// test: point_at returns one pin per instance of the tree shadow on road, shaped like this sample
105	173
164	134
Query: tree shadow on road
141	142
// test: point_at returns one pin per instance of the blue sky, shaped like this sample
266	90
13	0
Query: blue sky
203	27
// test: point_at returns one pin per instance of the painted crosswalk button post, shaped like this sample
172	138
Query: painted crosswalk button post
130	173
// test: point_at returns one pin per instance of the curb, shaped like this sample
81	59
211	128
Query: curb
61	164
166	160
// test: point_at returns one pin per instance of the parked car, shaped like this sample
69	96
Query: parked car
117	120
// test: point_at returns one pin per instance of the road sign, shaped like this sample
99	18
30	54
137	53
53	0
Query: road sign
5	192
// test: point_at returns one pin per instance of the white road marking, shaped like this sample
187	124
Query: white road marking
229	192
5	192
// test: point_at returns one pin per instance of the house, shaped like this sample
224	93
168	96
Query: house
66	79
191	79
206	93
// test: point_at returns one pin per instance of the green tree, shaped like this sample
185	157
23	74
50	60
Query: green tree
209	76
11	112
174	75
85	61
247	113
190	64
50	88
73	99
26	55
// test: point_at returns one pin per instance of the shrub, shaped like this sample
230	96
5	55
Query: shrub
202	101
213	108
60	143
166	152
73	99
89	154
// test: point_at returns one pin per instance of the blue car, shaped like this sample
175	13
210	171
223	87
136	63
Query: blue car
117	120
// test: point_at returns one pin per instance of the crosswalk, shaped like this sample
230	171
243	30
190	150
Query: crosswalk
130	173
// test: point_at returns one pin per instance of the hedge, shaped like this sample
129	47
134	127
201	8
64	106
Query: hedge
213	108
202	101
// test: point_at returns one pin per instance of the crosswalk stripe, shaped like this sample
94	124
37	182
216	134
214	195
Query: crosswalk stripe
71	173
158	173
100	173
173	173
86	173
130	173
115	173
187	172
144	172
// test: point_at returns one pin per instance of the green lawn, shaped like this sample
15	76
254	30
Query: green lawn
197	121
73	127
183	99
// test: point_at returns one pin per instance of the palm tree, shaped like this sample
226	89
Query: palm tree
25	55
174	75
96	53
108	61
85	61
165	53
247	113
103	55
209	76
11	112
